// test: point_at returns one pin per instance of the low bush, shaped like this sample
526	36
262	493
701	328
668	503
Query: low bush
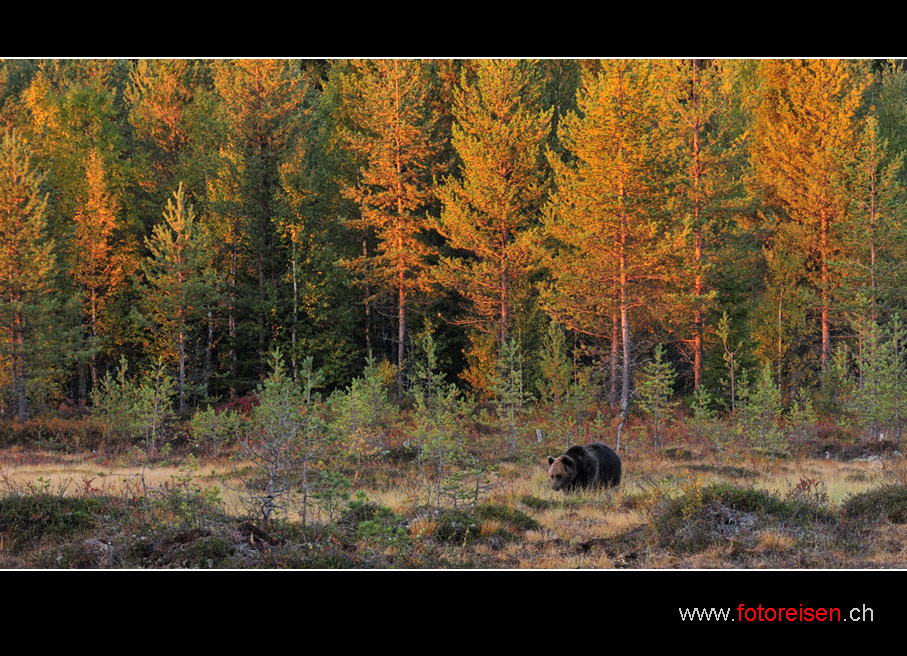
717	513
888	502
724	470
536	503
511	516
27	518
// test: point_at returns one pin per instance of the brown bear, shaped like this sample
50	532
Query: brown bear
589	465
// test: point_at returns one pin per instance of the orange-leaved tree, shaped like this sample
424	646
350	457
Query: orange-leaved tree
392	129
805	131
604	214
489	210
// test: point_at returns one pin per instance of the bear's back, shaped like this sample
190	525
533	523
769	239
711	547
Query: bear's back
609	466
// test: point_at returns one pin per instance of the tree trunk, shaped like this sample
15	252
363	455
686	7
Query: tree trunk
368	313
209	348
625	335
615	356
182	374
295	311
401	332
698	247
825	281
18	365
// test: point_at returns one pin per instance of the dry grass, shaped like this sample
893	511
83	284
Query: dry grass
774	541
67	474
840	479
583	530
423	527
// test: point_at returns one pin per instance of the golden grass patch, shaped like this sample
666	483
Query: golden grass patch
838	477
423	527
771	540
489	527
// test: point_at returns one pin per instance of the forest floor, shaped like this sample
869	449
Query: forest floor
675	508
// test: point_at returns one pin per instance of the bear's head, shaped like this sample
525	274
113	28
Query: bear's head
561	471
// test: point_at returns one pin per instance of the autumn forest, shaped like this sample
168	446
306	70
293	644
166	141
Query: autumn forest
733	215
373	297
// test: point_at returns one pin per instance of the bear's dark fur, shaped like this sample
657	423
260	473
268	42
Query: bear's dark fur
588	465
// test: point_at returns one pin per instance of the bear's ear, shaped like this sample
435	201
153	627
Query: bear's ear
550	460
568	462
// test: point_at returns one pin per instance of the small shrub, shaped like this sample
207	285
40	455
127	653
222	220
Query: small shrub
28	518
536	503
386	528
207	553
511	516
888	502
725	470
676	453
456	527
374	523
809	491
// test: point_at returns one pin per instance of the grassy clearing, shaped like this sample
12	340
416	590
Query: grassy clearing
668	512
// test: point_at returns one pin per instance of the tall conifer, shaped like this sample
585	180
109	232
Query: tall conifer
489	209
805	129
393	132
604	209
181	280
26	262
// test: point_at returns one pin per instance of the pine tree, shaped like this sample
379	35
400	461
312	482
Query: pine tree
656	389
279	443
603	214
323	319
889	102
158	95
694	100
507	384
394	134
874	234
488	211
26	263
259	109
877	402
172	110
100	263
75	125
180	281
557	370
762	412
805	130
